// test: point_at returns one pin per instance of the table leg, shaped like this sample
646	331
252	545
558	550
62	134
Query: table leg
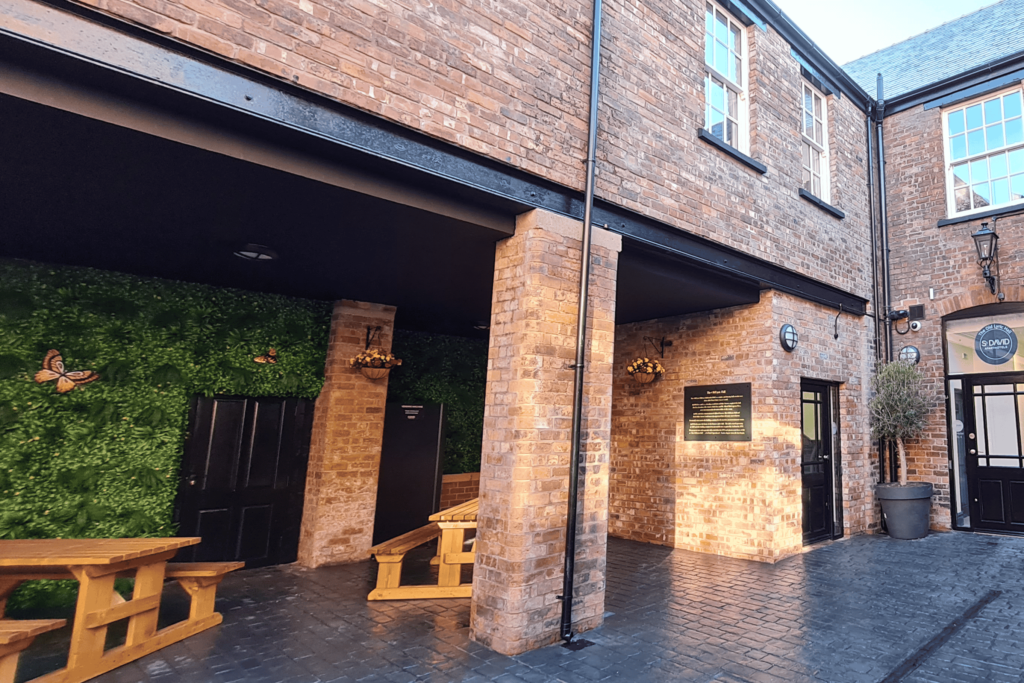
149	581
7	587
451	543
95	594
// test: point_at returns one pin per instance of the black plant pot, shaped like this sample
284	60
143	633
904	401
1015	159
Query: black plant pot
906	508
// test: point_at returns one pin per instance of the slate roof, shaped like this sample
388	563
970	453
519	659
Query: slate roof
954	47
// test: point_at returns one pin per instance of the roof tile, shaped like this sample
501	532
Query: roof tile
957	46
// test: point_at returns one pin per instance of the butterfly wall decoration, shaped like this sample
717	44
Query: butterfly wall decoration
53	369
270	357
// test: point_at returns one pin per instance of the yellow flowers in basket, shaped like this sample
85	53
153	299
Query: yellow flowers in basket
645	370
375	364
374	358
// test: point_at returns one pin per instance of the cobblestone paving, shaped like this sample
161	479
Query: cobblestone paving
851	611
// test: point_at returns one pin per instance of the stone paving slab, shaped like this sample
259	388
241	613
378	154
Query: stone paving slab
850	611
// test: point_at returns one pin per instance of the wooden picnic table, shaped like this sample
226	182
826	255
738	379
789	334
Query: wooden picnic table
451	548
95	563
451	525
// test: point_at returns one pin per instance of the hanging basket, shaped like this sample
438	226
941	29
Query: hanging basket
374	373
644	377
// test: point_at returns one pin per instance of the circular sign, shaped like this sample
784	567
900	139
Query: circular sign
995	344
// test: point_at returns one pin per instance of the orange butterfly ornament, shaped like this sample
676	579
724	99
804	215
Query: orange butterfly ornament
53	369
271	357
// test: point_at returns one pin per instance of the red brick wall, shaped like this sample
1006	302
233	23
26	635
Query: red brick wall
925	256
741	499
503	79
459	488
653	162
509	80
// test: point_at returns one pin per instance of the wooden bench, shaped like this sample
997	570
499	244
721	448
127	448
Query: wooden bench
389	556
15	636
200	579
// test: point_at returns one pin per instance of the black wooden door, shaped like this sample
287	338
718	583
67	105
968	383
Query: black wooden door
816	461
995	461
411	462
243	478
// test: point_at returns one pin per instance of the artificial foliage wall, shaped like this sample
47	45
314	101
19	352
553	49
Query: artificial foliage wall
101	460
449	370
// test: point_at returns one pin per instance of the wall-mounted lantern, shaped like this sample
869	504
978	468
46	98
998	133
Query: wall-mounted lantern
910	354
987	243
788	337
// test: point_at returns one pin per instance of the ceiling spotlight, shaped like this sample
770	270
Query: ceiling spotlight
256	252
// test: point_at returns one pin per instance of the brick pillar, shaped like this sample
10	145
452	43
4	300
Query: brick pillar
527	425
344	453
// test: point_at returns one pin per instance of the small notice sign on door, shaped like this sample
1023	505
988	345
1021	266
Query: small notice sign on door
719	412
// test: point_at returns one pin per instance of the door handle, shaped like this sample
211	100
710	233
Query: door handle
974	452
825	457
191	479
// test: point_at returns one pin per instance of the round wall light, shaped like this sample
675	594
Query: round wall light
788	337
910	354
256	252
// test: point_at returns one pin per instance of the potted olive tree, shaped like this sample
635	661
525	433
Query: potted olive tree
898	411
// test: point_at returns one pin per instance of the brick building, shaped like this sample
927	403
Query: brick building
955	164
422	163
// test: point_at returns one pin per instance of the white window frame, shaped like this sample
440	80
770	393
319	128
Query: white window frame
741	89
951	211
825	172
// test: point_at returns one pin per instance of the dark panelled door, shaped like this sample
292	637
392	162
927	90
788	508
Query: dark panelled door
995	461
243	478
816	461
411	462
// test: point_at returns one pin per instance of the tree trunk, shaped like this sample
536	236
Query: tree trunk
903	462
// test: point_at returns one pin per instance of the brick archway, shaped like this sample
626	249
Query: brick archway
979	296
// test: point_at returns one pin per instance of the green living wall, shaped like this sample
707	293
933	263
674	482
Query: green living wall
102	459
450	370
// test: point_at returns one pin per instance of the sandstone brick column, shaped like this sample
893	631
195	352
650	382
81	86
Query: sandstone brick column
344	453
527	424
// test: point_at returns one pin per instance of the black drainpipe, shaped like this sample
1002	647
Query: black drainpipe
876	303
884	217
581	338
874	226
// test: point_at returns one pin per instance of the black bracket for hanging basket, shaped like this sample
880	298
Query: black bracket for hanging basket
657	345
371	334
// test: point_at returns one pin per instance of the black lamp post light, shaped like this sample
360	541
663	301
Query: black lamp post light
987	243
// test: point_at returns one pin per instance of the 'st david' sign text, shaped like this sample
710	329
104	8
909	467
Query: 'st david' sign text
995	344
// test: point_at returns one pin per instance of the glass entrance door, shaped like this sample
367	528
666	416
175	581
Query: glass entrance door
995	452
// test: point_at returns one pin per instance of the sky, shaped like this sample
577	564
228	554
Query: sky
853	28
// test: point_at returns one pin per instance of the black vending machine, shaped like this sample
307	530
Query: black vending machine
411	462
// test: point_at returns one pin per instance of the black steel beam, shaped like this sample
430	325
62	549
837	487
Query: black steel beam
139	64
729	262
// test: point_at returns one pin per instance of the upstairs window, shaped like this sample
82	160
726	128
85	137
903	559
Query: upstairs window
814	141
984	153
725	95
